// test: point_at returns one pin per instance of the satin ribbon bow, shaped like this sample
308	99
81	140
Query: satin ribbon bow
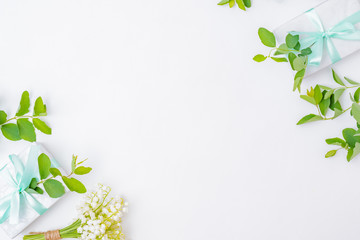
345	30
11	204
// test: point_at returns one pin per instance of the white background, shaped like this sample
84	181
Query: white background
165	101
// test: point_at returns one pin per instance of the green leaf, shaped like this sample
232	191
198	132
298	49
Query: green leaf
39	190
329	93
247	3
44	165
276	59
41	125
325	87
223	2
31	191
82	170
40	107
309	118
292	57
330	153
337	79
55	172
349	154
297	47
73	163
355	151
282	49
317	94
357	95
355	110
24	104
337	113
33	183
267	37
299	63
348	134
259	58
299	76
306	52
351	81
241	4
324	106
231	3
3	117
336	141
54	188
26	130
74	185
11	131
308	98
291	40
338	94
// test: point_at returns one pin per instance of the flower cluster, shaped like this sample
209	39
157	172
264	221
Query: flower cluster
101	215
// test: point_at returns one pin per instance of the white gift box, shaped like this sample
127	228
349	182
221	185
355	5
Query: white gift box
27	214
331	13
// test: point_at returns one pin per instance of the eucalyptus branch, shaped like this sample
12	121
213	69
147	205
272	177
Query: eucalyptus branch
23	128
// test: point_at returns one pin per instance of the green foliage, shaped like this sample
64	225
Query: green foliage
24	128
51	183
291	51
242	4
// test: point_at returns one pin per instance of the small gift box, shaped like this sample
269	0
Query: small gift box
19	205
331	30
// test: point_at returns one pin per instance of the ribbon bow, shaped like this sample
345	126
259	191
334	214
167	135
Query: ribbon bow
345	30
11	204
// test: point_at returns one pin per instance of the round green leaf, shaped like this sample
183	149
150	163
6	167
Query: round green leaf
3	117
82	170
55	172
54	188
11	131
292	40
74	185
41	125
259	58
40	107
26	130
267	37
24	104
44	165
330	153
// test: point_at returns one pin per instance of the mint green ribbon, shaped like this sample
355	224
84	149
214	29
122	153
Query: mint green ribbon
345	30
11	204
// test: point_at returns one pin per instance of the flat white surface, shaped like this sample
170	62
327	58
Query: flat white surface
165	101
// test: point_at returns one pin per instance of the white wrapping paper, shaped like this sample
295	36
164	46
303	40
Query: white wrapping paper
27	214
331	12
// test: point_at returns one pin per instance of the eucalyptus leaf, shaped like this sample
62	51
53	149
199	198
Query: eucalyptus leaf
40	107
309	118
267	37
82	170
277	59
308	98
291	40
336	141
54	188
11	131
24	104
241	4
337	79
259	58
55	172
26	130
41	125
351	81
3	117
355	110
44	165
330	153
74	185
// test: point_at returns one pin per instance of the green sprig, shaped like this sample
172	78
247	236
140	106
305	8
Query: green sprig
25	125
242	4
49	178
290	52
